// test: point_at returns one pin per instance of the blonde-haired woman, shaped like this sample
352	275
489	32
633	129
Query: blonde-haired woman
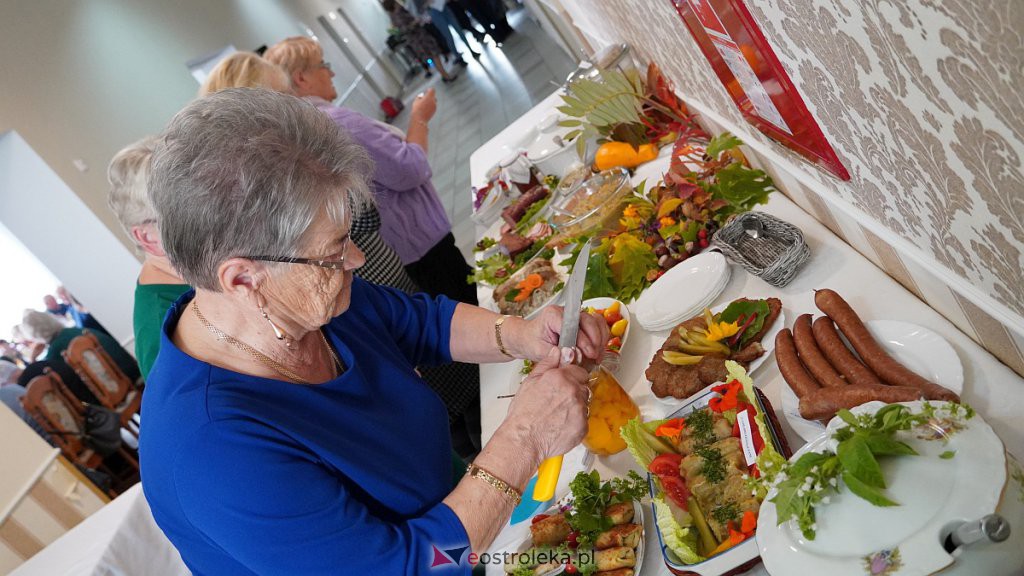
245	70
158	285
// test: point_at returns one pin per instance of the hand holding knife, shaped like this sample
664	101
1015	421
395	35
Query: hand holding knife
547	474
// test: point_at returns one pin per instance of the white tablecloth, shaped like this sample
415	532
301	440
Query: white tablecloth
992	388
120	540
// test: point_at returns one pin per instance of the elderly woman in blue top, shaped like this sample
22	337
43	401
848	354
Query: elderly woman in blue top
286	429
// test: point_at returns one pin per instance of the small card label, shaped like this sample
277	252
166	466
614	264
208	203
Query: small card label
746	438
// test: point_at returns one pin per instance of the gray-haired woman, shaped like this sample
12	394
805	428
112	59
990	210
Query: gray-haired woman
286	429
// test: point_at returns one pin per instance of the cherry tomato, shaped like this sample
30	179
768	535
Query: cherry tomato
615	342
612	318
570	568
538	518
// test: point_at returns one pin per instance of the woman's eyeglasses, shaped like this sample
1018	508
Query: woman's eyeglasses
338	264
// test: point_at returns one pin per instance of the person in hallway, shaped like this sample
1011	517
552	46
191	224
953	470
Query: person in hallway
462	15
441	17
422	44
287	431
158	285
411	220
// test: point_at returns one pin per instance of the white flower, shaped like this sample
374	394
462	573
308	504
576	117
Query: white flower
814	470
826	500
800	492
814	527
833	482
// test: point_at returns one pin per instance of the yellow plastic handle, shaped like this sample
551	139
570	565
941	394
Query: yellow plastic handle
547	479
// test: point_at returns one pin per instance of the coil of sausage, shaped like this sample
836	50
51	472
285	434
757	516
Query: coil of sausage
792	369
812	356
824	403
887	368
827	337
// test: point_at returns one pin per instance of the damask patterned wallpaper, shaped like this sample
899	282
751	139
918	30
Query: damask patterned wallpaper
922	99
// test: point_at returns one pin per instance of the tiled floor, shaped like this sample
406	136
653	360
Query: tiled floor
489	95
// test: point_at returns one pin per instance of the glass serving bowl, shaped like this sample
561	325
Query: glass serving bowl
590	204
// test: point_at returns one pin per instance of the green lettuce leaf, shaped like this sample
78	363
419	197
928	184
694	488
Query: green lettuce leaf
745	308
641	441
679	540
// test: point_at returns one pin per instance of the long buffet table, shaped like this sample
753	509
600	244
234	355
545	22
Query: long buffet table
989	386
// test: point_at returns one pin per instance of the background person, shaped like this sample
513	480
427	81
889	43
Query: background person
287	430
158	285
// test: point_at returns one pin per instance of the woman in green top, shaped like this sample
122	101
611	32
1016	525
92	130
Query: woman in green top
158	286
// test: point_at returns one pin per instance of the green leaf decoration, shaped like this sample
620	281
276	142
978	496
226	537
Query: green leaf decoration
605	102
884	445
721	143
599	277
857	460
865	491
742	187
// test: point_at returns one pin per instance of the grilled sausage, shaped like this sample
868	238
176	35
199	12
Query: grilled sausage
824	403
888	369
792	369
811	356
855	372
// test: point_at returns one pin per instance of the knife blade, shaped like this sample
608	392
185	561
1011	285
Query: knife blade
573	299
547	474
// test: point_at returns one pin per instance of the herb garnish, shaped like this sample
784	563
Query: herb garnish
702	425
810	480
591	497
714	464
725	513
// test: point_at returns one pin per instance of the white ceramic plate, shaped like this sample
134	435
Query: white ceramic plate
854	537
767	342
916	347
638	518
682	289
712	295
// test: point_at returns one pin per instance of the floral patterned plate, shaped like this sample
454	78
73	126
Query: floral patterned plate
958	474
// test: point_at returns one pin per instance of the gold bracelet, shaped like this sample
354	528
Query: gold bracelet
510	493
497	336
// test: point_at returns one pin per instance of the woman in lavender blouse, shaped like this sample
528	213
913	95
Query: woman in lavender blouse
412	219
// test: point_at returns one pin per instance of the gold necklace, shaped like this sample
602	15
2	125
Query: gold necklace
263	358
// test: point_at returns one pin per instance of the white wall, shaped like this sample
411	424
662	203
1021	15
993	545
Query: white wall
80	80
53	223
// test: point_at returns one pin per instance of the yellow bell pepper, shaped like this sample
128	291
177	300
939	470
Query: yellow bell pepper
616	154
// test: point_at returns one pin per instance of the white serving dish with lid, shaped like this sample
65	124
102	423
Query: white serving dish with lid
962	473
549	152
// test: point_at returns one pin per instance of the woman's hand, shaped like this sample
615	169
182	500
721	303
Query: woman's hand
541	333
549	412
424	107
